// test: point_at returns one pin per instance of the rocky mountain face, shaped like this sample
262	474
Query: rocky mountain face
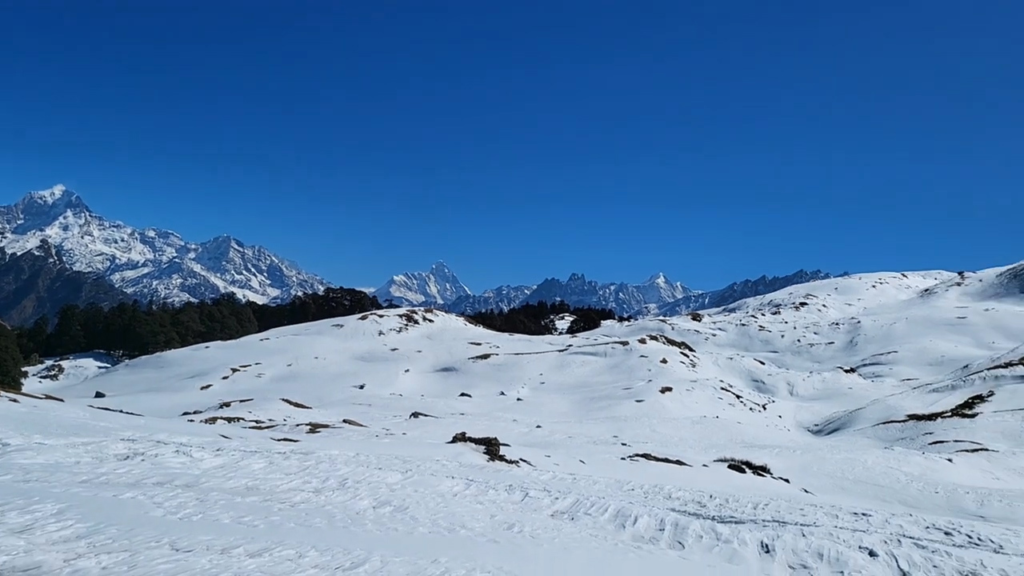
623	298
436	287
501	299
149	264
38	282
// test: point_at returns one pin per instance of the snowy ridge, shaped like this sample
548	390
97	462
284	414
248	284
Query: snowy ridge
886	406
149	263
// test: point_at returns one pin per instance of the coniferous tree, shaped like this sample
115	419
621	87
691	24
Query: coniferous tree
32	340
92	321
67	336
11	373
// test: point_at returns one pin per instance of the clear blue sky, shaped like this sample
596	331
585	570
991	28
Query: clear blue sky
709	140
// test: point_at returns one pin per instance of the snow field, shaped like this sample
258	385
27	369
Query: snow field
284	480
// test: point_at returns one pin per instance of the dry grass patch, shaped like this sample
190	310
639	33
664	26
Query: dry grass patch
229	420
974	450
105	409
667	341
652	458
295	404
966	409
35	396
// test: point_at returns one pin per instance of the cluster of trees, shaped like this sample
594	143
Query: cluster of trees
133	330
539	319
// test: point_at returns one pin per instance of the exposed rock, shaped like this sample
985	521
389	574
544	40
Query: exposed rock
653	458
737	468
491	445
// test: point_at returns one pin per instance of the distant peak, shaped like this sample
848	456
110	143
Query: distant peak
51	195
440	266
657	278
226	239
58	197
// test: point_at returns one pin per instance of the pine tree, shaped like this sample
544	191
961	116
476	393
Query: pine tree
32	340
67	336
11	373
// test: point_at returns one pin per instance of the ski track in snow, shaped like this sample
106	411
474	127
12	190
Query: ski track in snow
93	492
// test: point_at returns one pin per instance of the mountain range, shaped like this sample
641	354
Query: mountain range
56	250
148	264
657	296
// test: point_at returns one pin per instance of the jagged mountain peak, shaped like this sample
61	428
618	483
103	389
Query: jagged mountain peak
42	208
436	287
58	195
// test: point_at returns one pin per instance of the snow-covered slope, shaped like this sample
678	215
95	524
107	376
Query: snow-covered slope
149	263
887	407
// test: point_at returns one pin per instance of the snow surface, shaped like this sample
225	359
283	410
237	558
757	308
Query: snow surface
803	380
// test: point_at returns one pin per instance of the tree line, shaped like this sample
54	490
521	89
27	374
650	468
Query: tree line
132	330
540	319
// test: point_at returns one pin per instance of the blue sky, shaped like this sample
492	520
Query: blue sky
709	140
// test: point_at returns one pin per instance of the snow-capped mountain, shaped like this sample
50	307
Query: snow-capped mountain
502	298
436	287
149	263
657	296
440	287
623	298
